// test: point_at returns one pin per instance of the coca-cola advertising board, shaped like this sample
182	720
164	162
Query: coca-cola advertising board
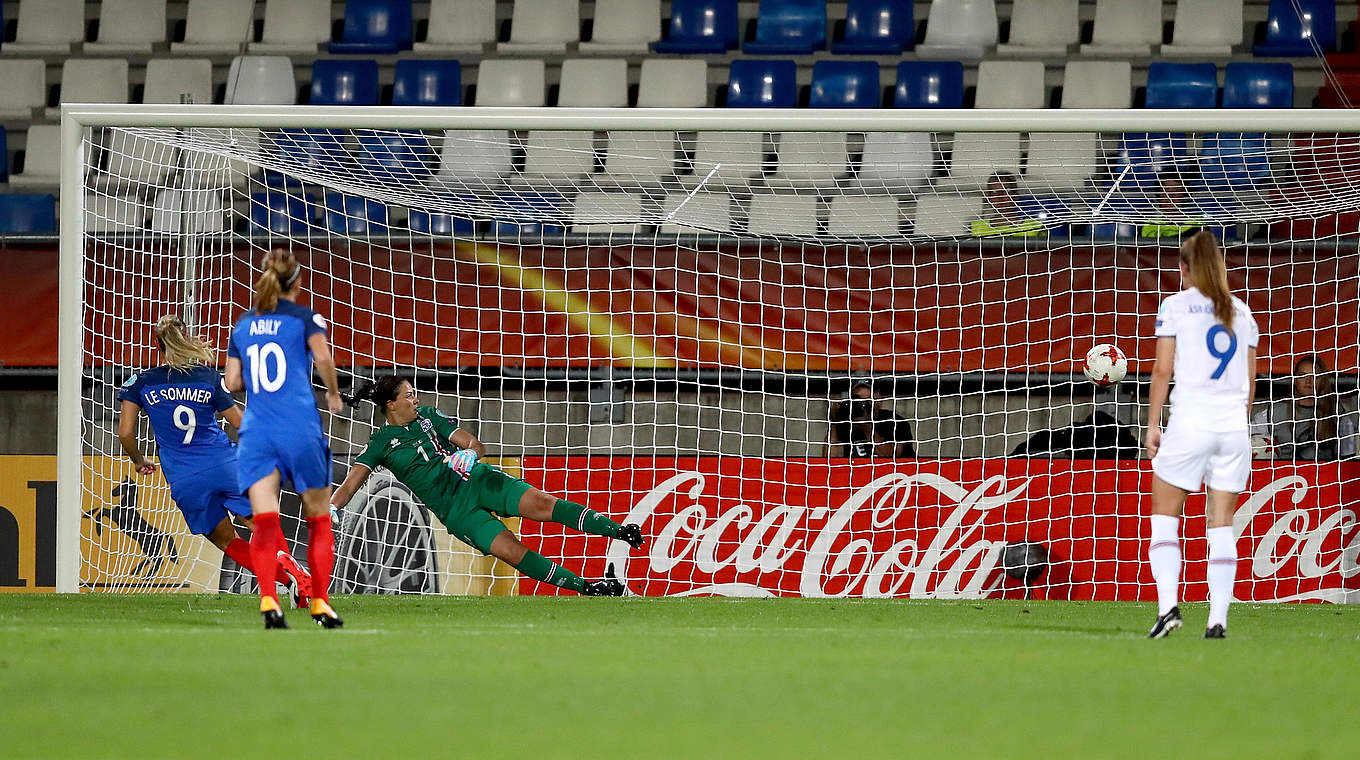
731	526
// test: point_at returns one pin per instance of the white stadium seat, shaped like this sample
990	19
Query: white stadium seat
474	157
864	216
294	26
1010	84
594	83
217	27
47	27
1125	27
896	162
25	89
946	214
1042	27
809	159
606	212
543	26
1097	84
129	27
167	79
959	29
623	26
42	157
509	82
698	213
1205	28
459	26
783	215
733	158
673	83
92	80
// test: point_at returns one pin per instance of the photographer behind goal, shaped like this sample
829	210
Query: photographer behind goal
861	428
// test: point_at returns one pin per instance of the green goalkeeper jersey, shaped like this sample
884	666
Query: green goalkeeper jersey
415	454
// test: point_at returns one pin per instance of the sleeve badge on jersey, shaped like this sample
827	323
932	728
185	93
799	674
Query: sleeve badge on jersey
128	382
426	425
320	322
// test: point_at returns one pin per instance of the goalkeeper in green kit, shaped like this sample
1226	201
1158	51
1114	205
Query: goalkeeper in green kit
426	450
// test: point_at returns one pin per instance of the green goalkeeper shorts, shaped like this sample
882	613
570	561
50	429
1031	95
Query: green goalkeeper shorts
472	514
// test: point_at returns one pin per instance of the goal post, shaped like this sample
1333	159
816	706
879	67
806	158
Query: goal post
664	325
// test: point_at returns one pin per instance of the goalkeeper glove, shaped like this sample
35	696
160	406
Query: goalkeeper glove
462	462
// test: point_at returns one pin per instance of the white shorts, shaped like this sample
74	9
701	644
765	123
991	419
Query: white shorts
1190	455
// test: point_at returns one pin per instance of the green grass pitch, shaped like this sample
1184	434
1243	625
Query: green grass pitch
528	678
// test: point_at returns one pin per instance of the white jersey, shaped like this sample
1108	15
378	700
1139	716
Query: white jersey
1211	362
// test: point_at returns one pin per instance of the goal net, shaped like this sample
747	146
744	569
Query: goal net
818	354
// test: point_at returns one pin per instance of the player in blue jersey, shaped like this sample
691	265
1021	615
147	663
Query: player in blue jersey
270	356
183	398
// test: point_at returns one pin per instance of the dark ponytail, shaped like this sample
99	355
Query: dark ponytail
379	392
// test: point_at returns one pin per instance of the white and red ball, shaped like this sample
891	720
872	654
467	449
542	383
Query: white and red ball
1105	364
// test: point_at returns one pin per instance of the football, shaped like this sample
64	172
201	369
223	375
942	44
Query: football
1105	364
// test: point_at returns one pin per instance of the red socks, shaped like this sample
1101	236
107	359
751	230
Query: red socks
320	555
264	550
239	551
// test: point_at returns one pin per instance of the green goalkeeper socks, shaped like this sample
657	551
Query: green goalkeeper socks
583	519
540	568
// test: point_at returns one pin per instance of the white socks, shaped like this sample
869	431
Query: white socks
1164	554
1222	573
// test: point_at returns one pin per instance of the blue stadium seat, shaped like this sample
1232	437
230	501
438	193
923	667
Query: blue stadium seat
877	27
375	27
789	26
344	83
929	84
1182	85
1258	85
306	150
1290	34
402	157
522	213
700	26
28	214
4	156
762	84
440	224
355	215
428	83
280	213
845	84
1144	154
1239	160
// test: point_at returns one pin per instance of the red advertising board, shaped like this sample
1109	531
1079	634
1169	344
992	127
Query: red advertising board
734	526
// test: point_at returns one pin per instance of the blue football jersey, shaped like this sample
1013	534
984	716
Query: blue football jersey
276	366
182	406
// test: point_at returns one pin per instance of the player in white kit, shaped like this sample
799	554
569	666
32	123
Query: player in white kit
1209	337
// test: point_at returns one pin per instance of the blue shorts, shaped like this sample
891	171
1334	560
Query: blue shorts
208	496
303	460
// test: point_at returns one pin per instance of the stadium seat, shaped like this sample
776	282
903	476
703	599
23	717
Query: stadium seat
543	26
261	80
307	150
673	83
864	216
809	159
28	214
1258	85
877	27
280	213
732	159
476	157
1239	160
524	213
1182	85
47	27
128	27
440	224
788	27
375	27
216	27
42	157
423	82
1042	27
895	162
92	80
171	80
593	212
977	155
4	155
294	26
959	29
1097	84
131	159
1145	154
27	88
113	213
1060	161
639	159
623	26
1290	34
188	211
1125	28
403	157
593	83
700	27
507	82
558	156
1010	84
1205	28
762	84
783	215
929	84
696	214
459	26
845	84
344	82
946	214
355	215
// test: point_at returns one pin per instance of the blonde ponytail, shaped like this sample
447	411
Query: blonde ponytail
179	350
280	273
1204	261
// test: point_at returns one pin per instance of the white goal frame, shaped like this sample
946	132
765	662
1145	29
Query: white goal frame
78	119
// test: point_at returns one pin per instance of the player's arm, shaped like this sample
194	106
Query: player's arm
465	440
1251	379
232	414
1161	387
127	435
235	383
358	473
325	365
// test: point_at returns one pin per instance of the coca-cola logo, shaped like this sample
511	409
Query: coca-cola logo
1293	535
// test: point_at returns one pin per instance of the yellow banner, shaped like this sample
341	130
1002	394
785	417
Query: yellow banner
28	524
